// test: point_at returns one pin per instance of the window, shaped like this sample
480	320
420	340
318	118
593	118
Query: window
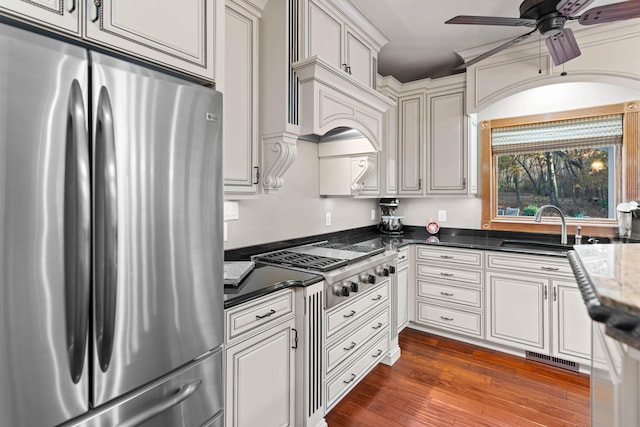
576	160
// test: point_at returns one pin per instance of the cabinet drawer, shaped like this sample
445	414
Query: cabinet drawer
449	274
340	317
349	345
450	319
450	255
452	294
341	384
254	314
529	263
403	256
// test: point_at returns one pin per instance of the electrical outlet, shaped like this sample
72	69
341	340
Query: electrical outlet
327	219
442	215
224	232
373	214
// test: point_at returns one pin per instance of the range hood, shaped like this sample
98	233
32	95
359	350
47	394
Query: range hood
336	108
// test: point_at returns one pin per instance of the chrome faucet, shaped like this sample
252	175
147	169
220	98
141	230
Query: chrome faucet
563	235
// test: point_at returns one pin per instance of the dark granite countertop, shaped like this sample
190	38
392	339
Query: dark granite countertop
608	278
265	279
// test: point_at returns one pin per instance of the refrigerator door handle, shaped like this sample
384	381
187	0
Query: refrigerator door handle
106	230
179	396
77	229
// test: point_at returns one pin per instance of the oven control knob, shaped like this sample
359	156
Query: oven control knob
341	291
382	271
367	278
353	286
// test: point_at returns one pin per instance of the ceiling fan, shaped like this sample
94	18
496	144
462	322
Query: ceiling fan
549	17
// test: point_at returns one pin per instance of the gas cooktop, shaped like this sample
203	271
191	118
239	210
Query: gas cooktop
320	256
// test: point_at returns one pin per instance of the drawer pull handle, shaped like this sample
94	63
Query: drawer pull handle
446	294
351	347
550	268
402	257
446	256
270	313
378	326
349	315
448	319
377	298
350	380
376	355
446	274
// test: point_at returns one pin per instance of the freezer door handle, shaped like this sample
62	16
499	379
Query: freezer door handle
77	229
181	395
106	229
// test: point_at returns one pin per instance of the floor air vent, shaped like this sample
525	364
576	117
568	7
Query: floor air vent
554	361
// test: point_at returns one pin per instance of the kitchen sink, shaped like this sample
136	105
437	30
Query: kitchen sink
534	245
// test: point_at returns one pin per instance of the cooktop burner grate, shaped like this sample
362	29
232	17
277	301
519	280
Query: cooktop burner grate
345	247
294	259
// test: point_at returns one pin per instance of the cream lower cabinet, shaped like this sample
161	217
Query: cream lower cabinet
402	285
179	35
449	290
60	15
260	363
534	304
356	338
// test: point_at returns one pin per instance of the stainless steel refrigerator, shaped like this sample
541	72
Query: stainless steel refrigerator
111	258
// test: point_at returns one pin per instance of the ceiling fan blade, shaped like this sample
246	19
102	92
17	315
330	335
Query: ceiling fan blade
572	7
611	12
492	20
495	50
563	46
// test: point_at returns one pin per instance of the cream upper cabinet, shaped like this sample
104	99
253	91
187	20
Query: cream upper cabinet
179	35
330	36
241	170
61	15
358	57
411	116
446	141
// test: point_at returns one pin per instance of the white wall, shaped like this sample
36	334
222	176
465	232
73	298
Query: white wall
297	210
465	212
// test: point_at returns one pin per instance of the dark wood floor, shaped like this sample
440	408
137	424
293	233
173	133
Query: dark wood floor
442	382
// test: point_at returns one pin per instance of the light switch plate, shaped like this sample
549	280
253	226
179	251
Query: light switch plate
231	210
442	215
327	219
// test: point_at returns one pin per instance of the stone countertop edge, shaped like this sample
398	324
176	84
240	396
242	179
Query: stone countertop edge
622	324
232	299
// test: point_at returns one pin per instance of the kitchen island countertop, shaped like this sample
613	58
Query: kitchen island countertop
608	277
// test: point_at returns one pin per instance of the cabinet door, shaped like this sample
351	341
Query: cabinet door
518	311
402	282
240	103
411	110
61	15
571	322
260	380
447	154
324	35
358	57
174	34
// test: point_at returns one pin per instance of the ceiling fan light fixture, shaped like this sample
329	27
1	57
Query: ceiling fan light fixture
563	47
